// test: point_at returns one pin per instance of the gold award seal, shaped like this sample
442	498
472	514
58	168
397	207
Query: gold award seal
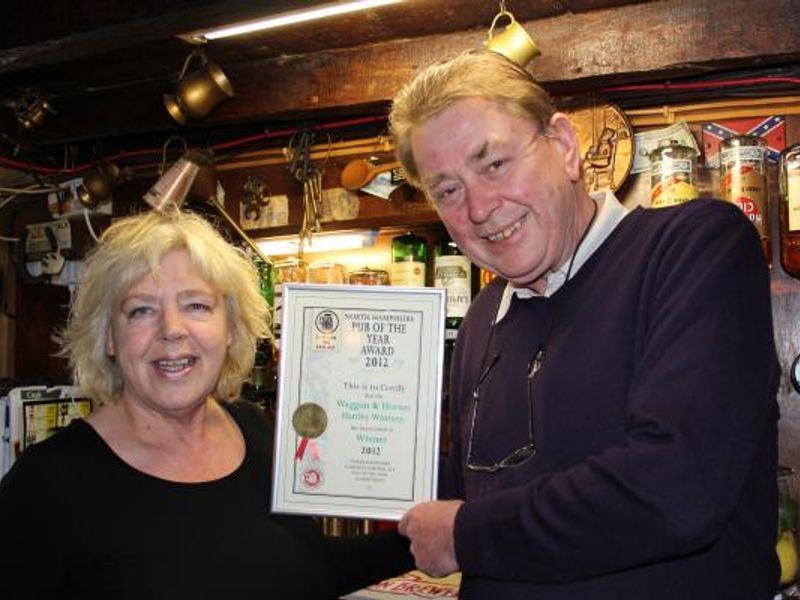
309	420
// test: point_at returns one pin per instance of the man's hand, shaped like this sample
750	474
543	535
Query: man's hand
429	526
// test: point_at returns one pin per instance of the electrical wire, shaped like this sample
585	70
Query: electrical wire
5	238
89	224
667	86
14	192
747	83
127	154
29	190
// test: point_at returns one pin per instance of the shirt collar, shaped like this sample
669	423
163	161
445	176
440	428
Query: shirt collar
610	213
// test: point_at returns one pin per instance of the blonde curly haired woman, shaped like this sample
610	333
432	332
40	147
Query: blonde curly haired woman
163	491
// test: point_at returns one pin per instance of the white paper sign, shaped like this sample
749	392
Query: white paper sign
359	400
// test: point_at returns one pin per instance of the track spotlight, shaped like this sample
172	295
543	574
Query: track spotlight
99	184
31	110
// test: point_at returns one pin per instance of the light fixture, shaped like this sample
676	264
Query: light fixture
31	109
99	184
174	185
321	242
288	18
194	172
198	91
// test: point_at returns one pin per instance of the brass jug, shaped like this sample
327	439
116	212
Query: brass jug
199	91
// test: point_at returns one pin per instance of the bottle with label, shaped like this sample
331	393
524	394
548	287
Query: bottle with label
409	254
453	271
672	174
486	277
266	278
261	387
789	175
743	177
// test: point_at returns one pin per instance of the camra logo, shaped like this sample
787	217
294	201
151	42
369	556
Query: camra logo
327	321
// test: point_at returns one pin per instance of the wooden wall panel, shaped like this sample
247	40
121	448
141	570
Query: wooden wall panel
649	41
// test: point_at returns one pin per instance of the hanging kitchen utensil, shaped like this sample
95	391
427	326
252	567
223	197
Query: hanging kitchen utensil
359	172
300	165
256	197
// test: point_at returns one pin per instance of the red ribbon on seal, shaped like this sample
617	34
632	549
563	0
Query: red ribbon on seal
301	449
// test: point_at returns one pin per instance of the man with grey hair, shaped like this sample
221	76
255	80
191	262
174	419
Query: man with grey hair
612	402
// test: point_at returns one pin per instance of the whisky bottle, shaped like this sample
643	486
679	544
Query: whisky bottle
789	175
453	271
743	177
409	255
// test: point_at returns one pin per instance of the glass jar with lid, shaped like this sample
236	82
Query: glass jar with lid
367	276
326	271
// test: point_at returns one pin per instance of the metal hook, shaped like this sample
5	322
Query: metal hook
164	149
198	53
503	13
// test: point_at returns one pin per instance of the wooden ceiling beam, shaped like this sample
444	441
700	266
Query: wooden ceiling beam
149	26
650	41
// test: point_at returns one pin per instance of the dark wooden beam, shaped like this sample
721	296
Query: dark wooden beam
149	24
639	42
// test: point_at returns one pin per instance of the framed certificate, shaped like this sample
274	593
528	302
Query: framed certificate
359	400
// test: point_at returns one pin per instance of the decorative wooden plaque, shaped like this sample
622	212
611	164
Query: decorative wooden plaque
606	140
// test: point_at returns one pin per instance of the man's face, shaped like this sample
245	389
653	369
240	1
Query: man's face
506	192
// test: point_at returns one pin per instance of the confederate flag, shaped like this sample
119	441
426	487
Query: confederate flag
772	129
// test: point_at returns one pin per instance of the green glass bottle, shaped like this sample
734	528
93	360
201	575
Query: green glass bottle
453	271
260	386
266	277
409	255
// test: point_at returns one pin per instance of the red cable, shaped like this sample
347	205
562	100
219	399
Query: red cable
362	120
22	165
284	132
222	146
697	86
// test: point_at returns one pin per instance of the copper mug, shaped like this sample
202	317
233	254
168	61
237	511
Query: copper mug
513	41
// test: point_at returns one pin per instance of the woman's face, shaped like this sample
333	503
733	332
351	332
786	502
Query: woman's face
169	336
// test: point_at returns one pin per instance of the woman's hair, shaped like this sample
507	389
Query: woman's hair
133	247
472	74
